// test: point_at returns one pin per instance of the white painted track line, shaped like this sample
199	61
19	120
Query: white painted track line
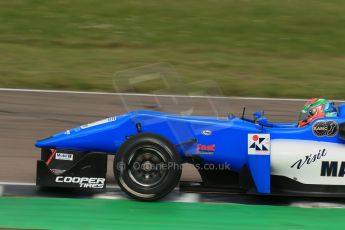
17	183
19	189
151	95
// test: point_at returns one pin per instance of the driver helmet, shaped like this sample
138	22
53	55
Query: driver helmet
316	108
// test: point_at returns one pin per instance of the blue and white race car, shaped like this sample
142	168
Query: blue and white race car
232	154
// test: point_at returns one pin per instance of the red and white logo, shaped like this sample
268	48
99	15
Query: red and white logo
205	149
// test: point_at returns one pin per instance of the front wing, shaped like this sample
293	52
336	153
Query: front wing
71	169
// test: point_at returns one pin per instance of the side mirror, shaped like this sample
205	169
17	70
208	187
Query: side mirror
342	131
264	122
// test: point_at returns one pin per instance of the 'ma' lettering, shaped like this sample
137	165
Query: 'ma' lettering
330	168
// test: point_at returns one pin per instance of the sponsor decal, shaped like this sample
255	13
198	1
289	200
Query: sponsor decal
205	149
84	182
110	119
309	159
64	156
325	128
206	132
259	144
333	169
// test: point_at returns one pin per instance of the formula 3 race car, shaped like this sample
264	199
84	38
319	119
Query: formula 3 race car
232	154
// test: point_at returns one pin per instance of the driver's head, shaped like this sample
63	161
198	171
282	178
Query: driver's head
316	108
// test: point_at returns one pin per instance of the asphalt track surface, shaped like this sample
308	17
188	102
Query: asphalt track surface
28	116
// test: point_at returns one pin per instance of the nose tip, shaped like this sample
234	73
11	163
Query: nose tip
43	142
39	144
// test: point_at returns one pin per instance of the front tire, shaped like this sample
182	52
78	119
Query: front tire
147	167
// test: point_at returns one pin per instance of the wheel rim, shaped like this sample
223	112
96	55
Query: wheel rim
147	166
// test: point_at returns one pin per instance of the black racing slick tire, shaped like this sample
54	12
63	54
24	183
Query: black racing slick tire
147	167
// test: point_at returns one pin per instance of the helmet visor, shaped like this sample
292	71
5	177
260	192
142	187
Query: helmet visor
304	115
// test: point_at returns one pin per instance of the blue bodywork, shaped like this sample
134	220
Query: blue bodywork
228	136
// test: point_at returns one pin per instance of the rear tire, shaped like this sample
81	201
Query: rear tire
147	167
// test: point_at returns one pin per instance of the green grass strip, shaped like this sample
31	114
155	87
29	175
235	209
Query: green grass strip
57	213
249	48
